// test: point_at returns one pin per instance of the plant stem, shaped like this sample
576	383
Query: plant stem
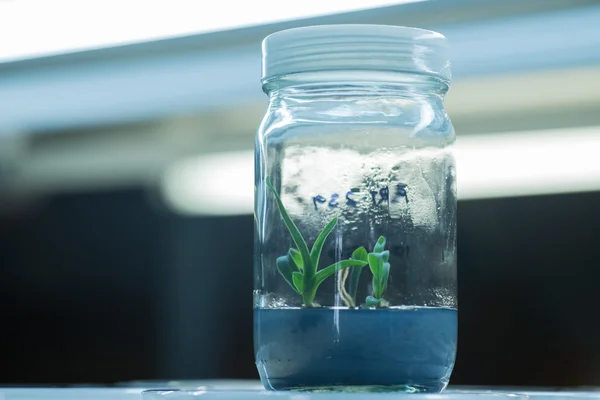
308	297
341	286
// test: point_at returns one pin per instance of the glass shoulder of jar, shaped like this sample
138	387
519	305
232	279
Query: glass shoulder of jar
415	119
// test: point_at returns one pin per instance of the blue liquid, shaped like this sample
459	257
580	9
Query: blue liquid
395	349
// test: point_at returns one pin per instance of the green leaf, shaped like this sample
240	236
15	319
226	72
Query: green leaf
315	253
358	254
372	301
376	264
296	235
380	245
384	278
380	267
333	268
297	258
286	270
298	279
385	255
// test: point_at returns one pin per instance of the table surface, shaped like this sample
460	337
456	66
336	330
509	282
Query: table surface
251	390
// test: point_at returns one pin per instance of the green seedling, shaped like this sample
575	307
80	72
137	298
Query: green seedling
299	267
380	268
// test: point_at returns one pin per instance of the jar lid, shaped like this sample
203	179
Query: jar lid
355	47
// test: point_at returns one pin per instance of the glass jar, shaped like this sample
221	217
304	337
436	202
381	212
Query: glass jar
355	212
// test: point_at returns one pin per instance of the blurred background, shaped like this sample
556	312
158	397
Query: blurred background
126	184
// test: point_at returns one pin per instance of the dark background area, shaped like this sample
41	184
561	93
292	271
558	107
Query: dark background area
109	286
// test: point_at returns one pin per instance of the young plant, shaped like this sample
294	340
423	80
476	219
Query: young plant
299	267
380	268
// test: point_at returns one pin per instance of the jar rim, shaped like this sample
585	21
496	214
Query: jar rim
355	47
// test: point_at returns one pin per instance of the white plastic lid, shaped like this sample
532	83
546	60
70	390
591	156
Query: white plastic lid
355	47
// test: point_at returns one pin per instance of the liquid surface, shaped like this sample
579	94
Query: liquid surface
396	349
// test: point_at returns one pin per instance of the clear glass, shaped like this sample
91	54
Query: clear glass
355	247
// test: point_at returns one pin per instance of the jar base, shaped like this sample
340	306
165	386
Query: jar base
404	349
434	387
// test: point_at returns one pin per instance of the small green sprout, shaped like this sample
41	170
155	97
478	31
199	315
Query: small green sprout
380	268
299	267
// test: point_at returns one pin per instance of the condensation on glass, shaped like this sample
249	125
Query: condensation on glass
355	212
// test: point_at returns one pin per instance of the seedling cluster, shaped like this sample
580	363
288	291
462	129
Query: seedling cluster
300	266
